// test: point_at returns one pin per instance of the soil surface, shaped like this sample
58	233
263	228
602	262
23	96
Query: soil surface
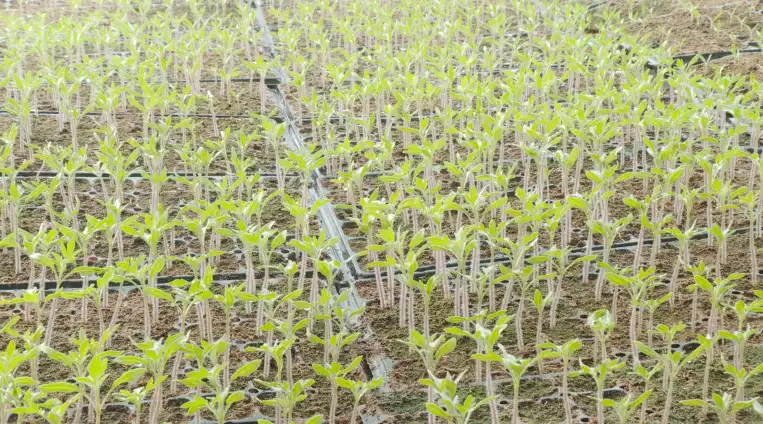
690	26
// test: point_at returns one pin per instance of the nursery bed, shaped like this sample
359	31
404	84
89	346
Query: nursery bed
474	101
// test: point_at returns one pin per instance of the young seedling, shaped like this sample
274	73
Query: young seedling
333	372
136	398
314	247
608	231
431	350
717	292
516	367
52	410
459	246
449	406
599	373
602	324
288	326
36	403
154	357
358	390
59	264
227	300
741	377
13	382
487	339
646	375
140	272
723	405
673	363
625	407
32	343
565	352
637	286
223	397
286	399
91	385
651	306
78	360
559	261
540	303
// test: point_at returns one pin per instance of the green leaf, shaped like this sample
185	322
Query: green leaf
445	349
129	377
315	419
97	367
354	364
639	400
617	279
159	294
648	351
486	357
375	383
321	370
59	387
158	265
457	332
738	406
703	283
247	369
345	383
757	407
129	360
86	270
72	295
695	402
535	260
195	404
235	397
538	300
437	411
694	354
